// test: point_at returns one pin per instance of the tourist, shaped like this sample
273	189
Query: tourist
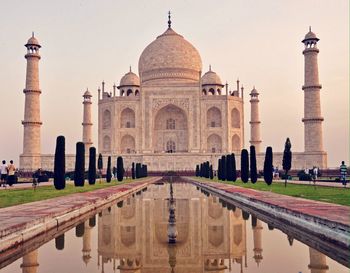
11	179
3	171
343	173
314	174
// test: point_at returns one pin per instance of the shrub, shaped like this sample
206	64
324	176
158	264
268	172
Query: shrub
60	164
244	166
138	170
253	169
219	169
229	169
79	165
92	166
197	170
268	168
109	172
120	168
211	173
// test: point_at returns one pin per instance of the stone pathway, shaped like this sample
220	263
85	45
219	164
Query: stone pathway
37	217
329	211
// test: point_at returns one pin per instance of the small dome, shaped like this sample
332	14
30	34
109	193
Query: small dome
33	41
87	93
211	78
310	36
254	92
130	79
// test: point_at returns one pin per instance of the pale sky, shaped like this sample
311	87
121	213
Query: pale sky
85	42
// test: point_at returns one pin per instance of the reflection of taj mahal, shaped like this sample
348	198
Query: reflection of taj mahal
136	233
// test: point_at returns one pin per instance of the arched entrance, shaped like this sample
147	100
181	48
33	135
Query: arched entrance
170	130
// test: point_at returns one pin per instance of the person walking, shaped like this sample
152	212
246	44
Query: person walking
343	172
11	179
314	174
3	172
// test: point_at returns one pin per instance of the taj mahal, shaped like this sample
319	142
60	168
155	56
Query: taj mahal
173	115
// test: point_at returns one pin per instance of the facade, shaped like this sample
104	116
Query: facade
170	116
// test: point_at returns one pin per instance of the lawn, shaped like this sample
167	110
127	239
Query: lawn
11	197
339	196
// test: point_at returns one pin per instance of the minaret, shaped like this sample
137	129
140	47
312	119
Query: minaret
312	106
318	262
30	159
254	120
257	237
87	121
30	262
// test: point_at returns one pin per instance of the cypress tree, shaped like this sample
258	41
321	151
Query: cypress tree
109	171
100	164
92	165
120	168
253	168
219	169
229	169
79	171
244	166
287	159
268	166
211	173
146	170
207	169
60	164
234	171
197	170
133	174
223	167
138	171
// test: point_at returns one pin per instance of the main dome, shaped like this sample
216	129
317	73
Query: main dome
170	56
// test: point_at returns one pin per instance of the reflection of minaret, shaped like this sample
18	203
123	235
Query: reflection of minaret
318	263
257	230
86	243
30	262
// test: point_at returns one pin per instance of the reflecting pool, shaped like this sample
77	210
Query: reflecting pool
132	236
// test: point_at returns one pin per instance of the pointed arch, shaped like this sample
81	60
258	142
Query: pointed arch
214	144
236	143
127	144
127	118
106	143
235	118
214	117
107	119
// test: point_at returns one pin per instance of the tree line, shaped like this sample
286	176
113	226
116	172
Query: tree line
226	170
138	170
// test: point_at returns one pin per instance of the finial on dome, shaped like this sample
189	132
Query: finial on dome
210	67
33	34
310	28
130	68
169	19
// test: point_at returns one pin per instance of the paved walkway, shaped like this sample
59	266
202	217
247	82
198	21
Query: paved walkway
318	183
38	217
328	211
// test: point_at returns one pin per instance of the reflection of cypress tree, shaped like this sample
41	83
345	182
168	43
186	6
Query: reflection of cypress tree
79	230
59	242
120	204
100	214
254	220
290	239
245	215
92	221
270	226
109	209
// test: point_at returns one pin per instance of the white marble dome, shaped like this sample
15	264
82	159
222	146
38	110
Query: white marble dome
170	56
130	79
211	78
